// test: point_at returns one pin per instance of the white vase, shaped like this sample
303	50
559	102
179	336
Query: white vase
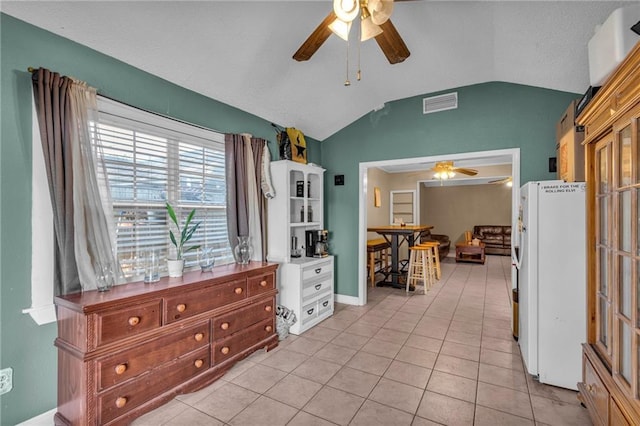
175	267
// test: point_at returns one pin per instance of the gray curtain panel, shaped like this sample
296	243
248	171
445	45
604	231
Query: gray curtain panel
51	93
237	194
237	207
257	147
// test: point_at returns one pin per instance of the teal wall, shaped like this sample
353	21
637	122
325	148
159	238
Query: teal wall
24	346
489	116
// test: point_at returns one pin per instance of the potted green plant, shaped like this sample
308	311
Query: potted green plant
176	265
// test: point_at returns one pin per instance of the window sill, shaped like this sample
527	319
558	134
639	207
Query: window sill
42	314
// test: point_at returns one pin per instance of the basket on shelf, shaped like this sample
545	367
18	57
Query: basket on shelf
285	318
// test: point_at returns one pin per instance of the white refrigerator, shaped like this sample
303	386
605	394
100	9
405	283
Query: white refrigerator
552	280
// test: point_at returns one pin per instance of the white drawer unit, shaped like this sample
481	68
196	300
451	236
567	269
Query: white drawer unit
306	287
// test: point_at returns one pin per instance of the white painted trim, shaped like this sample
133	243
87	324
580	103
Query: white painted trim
362	203
347	300
42	314
41	310
44	419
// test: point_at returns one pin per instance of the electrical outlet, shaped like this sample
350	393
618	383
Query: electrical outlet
6	380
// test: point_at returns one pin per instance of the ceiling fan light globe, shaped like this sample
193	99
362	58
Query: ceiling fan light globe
381	10
341	29
346	10
368	29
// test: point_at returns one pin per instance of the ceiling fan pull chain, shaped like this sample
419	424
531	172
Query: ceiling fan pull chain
359	73
347	82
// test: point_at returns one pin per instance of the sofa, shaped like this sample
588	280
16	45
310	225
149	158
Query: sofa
496	238
445	242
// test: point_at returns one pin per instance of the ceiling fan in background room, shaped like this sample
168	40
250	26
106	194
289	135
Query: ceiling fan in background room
374	23
507	181
445	170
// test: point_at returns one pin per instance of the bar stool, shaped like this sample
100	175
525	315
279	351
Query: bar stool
436	255
421	267
377	254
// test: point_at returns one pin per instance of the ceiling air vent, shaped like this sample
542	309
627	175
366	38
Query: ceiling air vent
440	103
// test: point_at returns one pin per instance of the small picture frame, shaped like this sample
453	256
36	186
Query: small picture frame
377	201
298	145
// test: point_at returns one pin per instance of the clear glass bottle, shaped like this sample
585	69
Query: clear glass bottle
309	214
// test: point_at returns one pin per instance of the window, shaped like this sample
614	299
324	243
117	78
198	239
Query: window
150	160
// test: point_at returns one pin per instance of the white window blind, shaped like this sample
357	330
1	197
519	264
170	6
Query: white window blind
150	160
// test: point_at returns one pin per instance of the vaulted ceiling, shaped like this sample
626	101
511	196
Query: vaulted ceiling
239	52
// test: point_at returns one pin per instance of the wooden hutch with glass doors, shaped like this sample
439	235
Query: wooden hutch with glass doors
610	386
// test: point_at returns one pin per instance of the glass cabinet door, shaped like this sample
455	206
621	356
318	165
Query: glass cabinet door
603	195
626	255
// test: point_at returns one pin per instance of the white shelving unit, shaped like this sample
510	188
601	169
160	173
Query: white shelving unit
305	284
403	206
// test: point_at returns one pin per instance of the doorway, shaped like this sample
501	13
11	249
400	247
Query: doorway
513	154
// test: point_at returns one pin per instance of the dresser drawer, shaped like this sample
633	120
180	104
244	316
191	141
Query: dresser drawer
127	322
261	284
596	393
118	401
325	304
311	291
317	270
309	312
233	345
198	301
235	321
125	365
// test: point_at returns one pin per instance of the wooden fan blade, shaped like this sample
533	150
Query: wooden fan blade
392	44
464	171
315	40
500	181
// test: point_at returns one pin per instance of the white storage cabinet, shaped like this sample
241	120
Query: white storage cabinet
305	284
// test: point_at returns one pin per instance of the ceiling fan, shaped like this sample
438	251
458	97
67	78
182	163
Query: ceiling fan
445	170
374	23
508	181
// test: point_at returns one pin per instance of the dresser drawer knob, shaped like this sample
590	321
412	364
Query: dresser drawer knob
268	308
310	311
238	290
318	287
198	363
121	401
590	388
121	368
224	325
134	321
318	270
268	328
225	350
325	304
199	337
181	307
263	283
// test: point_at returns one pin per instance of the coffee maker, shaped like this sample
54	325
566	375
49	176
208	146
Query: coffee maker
317	243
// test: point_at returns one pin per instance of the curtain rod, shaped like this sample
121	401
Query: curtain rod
32	70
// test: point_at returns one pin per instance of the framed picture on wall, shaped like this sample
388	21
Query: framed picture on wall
377	202
298	145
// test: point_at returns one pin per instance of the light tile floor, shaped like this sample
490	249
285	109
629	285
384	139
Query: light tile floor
447	357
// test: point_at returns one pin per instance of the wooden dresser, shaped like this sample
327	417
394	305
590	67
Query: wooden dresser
610	386
127	351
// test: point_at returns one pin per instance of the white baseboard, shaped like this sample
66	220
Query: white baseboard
44	419
347	300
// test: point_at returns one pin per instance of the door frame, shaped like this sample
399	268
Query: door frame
363	190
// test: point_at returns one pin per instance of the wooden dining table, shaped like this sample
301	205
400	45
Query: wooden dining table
396	235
